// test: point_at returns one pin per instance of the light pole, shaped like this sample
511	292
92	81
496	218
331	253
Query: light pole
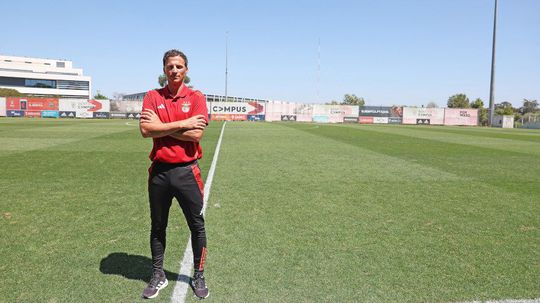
226	61
492	82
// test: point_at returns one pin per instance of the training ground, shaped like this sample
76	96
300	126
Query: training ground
297	212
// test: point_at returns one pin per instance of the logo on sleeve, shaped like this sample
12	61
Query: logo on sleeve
185	106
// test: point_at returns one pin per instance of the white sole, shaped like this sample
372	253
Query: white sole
160	288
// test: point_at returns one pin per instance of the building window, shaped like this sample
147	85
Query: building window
72	84
60	64
9	81
40	83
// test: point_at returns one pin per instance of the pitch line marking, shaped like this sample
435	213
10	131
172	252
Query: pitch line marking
507	301
182	283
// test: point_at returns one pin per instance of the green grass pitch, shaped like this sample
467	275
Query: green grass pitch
297	213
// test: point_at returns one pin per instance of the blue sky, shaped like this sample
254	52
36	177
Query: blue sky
387	51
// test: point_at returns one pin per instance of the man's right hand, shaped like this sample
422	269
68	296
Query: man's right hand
195	122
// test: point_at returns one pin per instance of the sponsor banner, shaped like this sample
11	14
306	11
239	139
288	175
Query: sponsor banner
396	111
50	114
32	114
274	110
133	115
41	104
320	119
84	108
228	117
394	120
2	107
288	117
32	104
380	120
461	116
255	117
14	113
64	114
423	115
350	119
236	108
13	103
365	120
100	115
329	110
118	106
118	115
375	111
335	113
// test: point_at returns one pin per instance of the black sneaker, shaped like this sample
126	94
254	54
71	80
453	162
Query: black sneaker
199	286
157	283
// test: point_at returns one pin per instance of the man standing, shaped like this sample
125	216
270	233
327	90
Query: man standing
175	118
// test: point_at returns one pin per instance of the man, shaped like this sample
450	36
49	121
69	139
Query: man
175	118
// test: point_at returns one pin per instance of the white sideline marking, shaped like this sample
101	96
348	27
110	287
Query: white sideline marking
507	301
182	283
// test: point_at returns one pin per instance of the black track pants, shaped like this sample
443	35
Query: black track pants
183	182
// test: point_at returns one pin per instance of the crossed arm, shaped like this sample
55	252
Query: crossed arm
190	129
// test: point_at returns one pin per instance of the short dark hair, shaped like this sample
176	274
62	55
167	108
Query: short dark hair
173	53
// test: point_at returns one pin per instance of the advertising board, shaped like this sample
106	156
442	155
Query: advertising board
365	120
84	108
380	120
14	113
50	114
2	107
255	117
228	117
423	115
461	116
375	111
67	114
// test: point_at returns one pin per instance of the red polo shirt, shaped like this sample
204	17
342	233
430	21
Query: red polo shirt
171	108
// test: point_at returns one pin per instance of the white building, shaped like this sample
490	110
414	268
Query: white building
44	77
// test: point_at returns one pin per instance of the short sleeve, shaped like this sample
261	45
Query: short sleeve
200	106
148	102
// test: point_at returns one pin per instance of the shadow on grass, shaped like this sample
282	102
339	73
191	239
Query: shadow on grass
134	267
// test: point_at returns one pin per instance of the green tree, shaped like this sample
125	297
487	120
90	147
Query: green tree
478	103
162	80
8	92
353	100
432	104
333	102
529	106
458	101
482	112
483	116
99	96
504	108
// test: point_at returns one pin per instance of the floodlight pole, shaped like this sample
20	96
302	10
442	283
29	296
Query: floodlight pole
492	82
318	70
226	61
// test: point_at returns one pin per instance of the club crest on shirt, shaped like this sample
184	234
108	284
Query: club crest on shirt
185	106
